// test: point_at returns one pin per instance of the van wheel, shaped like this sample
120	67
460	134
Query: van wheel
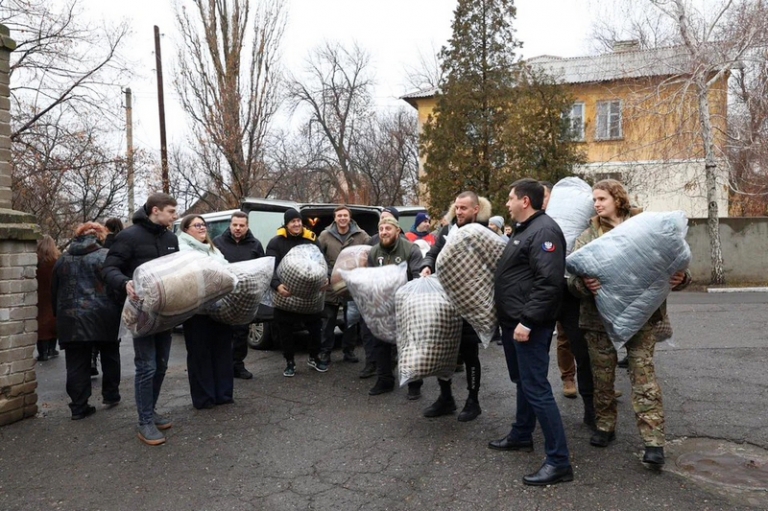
260	336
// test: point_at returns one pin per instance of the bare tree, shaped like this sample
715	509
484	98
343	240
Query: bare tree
228	80
426	73
336	90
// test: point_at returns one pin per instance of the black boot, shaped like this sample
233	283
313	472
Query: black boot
654	456
52	351
589	412
471	410
42	351
445	404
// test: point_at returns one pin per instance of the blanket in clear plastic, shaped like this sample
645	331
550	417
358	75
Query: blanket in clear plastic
171	289
466	267
571	206
349	258
373	290
240	306
428	330
304	272
634	262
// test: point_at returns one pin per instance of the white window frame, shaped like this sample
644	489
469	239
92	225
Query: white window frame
576	123
609	125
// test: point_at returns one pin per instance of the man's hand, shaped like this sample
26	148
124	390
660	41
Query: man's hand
677	279
283	291
522	334
592	284
426	272
131	291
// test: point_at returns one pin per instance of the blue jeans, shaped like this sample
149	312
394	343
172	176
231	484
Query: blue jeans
528	365
151	360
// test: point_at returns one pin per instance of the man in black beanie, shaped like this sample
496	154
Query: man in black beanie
293	234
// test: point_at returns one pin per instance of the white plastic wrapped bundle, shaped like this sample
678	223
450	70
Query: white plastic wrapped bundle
373	290
466	267
171	289
239	307
571	206
634	262
304	272
428	330
349	258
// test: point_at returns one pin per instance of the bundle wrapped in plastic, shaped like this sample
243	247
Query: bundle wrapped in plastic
571	206
373	290
304	272
171	289
428	330
634	262
239	307
466	266
350	258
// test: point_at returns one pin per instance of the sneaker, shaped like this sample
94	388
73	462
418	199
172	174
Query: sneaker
89	410
569	389
150	435
317	364
290	370
162	422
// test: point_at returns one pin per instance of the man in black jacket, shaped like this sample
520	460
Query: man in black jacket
148	238
238	244
528	293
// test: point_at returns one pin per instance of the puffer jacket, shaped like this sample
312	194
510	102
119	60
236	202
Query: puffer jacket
281	244
589	316
85	308
235	251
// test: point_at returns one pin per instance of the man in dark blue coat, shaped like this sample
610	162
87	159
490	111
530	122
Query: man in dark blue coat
238	244
528	292
148	238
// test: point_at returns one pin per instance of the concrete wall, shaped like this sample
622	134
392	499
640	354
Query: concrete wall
744	244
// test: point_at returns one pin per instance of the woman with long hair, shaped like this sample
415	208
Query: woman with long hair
209	343
87	315
47	255
114	225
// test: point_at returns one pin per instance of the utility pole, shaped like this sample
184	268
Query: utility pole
129	149
161	107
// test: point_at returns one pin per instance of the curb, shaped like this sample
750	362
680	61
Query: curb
737	290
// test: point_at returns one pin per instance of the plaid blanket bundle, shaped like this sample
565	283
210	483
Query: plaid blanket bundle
171	289
304	272
466	267
428	330
239	307
350	258
373	290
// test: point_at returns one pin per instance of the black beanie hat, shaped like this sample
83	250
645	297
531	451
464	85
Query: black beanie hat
393	211
290	214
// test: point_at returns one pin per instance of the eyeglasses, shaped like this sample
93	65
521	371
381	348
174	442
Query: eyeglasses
199	226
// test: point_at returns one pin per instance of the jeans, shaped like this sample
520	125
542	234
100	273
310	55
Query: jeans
348	338
528	364
151	361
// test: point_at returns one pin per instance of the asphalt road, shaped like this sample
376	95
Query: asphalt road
318	441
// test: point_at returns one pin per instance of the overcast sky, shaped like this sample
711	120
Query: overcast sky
392	31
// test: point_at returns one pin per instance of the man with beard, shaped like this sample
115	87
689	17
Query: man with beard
238	244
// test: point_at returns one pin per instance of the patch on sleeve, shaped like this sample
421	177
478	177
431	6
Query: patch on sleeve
548	246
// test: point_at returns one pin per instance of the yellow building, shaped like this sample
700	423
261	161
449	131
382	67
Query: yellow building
636	115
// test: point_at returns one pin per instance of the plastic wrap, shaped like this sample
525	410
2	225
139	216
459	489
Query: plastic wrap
428	330
349	258
373	290
240	306
304	272
634	262
466	267
571	205
171	289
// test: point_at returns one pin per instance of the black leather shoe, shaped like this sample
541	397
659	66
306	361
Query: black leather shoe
654	456
381	387
624	363
243	374
368	371
443	406
89	410
548	474
602	438
507	444
471	410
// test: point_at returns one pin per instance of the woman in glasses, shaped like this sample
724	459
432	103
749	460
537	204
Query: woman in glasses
209	345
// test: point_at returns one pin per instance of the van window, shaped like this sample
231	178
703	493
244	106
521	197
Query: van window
217	227
264	224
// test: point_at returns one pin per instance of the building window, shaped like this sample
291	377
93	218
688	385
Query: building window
576	122
608	120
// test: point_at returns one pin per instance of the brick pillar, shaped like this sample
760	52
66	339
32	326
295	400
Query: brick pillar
18	267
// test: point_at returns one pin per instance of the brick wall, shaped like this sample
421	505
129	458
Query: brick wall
18	267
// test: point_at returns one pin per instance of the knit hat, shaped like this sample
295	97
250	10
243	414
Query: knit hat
497	221
290	214
393	211
389	220
420	218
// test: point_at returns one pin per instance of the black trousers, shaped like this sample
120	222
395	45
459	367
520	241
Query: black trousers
348	338
469	353
382	357
239	346
569	318
369	342
209	361
288	323
78	362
